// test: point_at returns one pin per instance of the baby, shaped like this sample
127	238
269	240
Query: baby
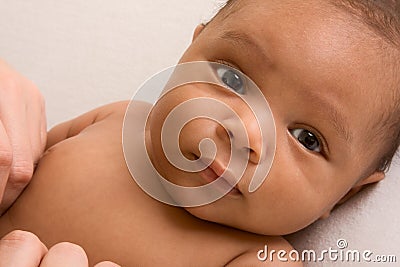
330	73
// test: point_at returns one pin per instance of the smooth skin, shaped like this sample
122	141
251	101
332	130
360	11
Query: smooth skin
83	193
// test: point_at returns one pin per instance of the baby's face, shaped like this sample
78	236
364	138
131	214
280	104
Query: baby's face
320	74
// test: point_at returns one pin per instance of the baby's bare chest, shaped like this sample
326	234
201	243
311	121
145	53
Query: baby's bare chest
82	192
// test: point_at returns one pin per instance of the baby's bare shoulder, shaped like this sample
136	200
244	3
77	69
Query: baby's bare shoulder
111	113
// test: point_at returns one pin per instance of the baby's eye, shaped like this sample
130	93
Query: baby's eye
232	79
307	139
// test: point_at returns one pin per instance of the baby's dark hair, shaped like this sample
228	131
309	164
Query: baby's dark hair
383	18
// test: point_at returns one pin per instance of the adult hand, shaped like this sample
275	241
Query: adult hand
22	133
24	249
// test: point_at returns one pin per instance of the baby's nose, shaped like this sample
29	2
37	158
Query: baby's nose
244	135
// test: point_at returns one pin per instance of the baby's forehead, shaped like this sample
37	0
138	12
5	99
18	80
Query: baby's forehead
360	62
380	17
332	35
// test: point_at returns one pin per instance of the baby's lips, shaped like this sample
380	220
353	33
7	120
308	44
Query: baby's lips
224	173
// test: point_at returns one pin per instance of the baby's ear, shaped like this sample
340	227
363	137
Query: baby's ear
373	178
198	30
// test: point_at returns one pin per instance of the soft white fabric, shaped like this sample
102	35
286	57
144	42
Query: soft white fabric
83	54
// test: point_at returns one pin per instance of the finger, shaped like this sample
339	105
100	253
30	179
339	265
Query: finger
65	255
107	264
5	163
13	117
21	249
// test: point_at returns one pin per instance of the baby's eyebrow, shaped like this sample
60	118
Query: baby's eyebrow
336	118
245	41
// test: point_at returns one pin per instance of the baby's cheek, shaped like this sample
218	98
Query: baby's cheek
280	207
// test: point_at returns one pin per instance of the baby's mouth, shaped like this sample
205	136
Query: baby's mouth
218	171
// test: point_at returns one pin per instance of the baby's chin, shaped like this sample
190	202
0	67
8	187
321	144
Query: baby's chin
269	228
